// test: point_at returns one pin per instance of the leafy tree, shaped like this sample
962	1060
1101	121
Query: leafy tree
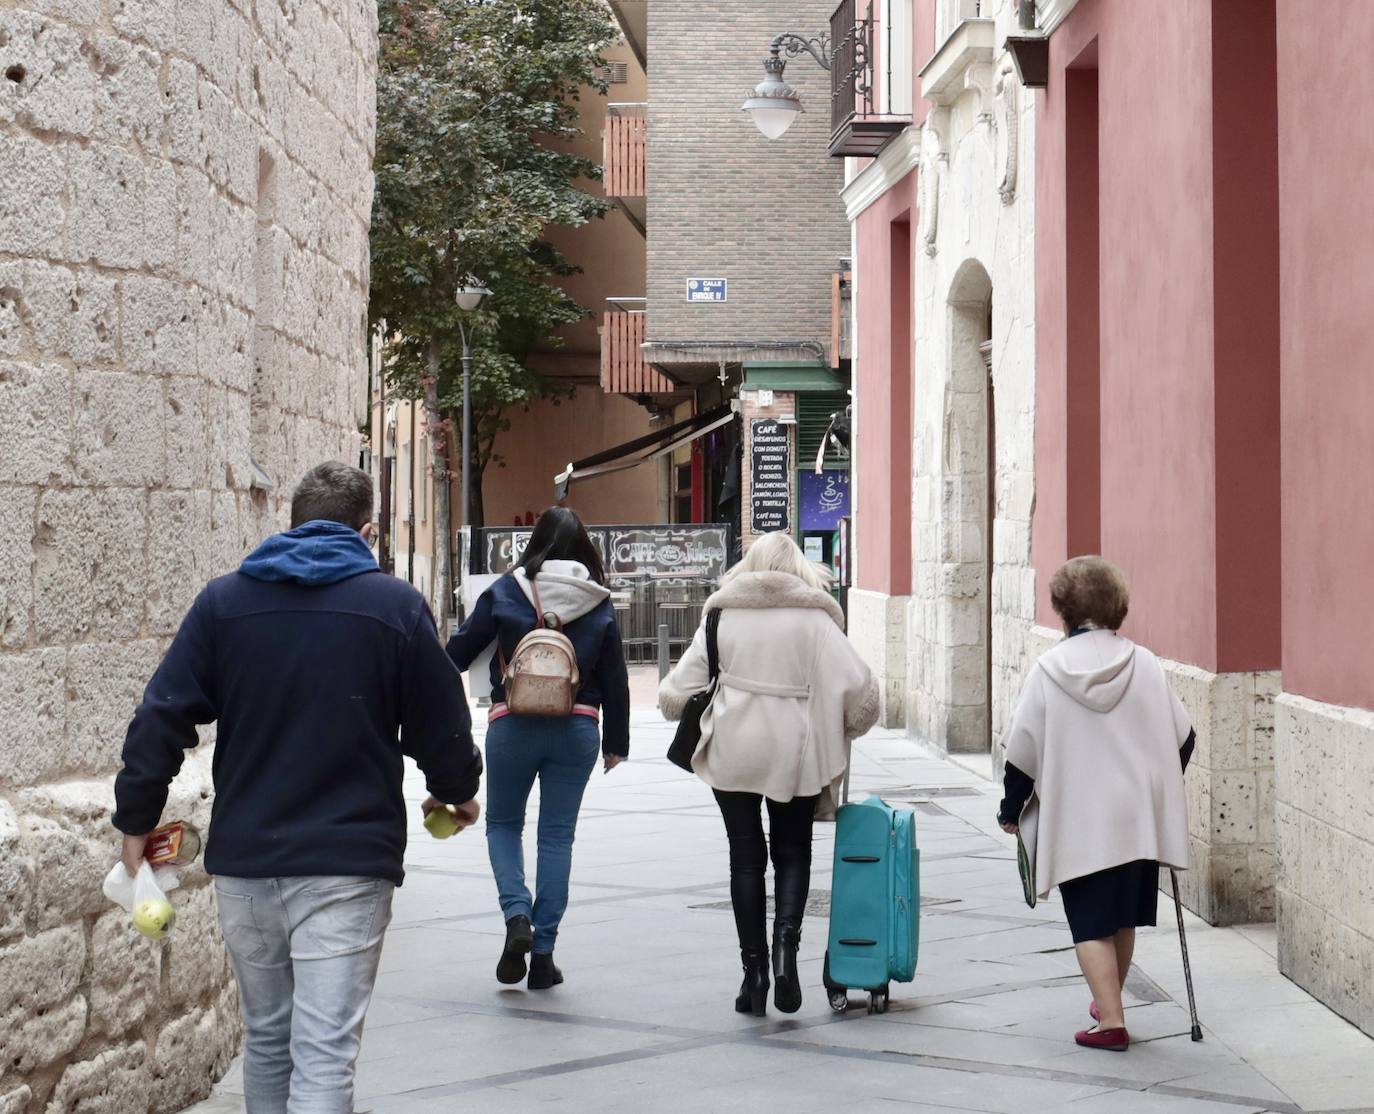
476	103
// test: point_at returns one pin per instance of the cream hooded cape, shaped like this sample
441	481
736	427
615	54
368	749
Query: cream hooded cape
793	691
1099	731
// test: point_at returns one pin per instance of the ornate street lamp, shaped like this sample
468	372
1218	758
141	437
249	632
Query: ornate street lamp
775	104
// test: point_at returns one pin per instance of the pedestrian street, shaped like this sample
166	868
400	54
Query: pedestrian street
644	1022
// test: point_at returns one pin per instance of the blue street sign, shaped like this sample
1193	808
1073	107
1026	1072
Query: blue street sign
706	289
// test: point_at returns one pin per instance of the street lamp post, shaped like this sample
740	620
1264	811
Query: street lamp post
469	297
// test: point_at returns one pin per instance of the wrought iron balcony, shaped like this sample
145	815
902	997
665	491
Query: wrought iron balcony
870	79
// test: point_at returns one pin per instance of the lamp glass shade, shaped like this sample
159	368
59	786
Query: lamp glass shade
469	296
773	115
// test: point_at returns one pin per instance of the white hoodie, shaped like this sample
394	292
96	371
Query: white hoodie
1099	731
566	589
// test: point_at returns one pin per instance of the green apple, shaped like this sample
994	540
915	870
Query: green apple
441	822
154	918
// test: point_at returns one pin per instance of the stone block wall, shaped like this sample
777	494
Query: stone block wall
1324	832
1230	787
183	288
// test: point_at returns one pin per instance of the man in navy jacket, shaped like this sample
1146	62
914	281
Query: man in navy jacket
312	662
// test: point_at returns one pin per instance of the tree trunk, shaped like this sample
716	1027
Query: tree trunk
442	582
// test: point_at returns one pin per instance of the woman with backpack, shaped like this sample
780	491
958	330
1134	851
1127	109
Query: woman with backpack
559	665
791	693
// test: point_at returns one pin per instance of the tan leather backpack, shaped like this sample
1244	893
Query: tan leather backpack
542	677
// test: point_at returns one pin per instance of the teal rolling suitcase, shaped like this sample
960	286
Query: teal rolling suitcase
875	899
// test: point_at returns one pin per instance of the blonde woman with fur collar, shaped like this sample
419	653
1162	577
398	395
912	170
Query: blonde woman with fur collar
792	693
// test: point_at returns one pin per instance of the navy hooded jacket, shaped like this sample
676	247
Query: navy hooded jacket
312	662
504	613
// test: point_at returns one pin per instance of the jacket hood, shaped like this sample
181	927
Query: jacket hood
1094	668
773	589
565	587
314	554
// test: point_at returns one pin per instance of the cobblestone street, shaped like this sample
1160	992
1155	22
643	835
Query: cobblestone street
644	1021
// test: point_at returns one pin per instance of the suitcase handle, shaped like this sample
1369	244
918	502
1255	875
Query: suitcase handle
860	859
859	943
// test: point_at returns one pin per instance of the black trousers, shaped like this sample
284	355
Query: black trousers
790	828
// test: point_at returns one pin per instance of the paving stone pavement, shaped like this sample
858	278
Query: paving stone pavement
645	1021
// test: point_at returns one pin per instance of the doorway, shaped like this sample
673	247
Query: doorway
968	516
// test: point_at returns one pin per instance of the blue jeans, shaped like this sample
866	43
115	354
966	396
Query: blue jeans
561	753
305	954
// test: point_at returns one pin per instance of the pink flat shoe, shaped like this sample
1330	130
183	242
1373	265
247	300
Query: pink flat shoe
1111	1040
1092	1011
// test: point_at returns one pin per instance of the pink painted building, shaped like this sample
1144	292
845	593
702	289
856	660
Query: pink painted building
1111	294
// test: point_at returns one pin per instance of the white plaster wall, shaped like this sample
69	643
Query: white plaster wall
183	288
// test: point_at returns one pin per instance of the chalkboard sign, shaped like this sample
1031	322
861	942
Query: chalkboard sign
769	474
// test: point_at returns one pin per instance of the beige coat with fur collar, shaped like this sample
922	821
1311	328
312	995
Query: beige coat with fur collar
793	691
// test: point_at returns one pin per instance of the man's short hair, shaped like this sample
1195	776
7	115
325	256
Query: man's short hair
335	492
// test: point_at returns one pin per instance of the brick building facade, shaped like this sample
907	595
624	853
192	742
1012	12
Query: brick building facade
183	289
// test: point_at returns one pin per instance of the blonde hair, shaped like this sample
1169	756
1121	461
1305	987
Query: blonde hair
779	553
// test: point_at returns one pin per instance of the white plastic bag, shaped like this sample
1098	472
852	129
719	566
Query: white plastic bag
145	896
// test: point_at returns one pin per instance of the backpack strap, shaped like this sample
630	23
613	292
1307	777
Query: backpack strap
540	616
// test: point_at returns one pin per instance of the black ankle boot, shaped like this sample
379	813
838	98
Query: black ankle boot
753	991
519	940
787	995
544	973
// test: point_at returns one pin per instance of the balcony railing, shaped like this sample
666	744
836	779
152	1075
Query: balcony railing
623	151
870	77
623	370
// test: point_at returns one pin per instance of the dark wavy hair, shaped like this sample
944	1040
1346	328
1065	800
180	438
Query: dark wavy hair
560	536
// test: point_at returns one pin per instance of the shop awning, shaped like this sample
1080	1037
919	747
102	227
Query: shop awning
642	449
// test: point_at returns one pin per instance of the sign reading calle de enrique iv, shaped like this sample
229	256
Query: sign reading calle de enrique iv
769	473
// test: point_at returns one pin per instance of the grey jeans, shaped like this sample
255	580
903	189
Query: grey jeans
305	953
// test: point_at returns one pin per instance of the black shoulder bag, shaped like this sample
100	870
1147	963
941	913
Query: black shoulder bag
688	735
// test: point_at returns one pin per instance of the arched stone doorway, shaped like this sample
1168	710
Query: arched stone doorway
968	508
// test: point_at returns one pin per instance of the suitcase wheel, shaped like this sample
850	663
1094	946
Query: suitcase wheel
839	995
878	999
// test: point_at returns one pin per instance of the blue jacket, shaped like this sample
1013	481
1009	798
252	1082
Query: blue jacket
312	662
504	613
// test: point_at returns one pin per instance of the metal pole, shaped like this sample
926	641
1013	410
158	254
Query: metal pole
662	650
410	503
467	431
379	433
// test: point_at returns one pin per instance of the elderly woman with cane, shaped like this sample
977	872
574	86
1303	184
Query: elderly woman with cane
1094	783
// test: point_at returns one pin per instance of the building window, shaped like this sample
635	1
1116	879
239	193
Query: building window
896	45
424	484
951	13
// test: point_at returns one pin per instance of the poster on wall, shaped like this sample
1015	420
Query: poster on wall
823	499
769	475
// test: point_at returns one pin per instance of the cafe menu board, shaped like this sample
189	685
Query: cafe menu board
769	475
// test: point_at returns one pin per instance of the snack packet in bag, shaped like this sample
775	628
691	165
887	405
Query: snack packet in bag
145	896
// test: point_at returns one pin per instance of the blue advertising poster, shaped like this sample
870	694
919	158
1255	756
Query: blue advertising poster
824	499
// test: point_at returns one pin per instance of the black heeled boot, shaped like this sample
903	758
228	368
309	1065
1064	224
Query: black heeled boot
792	880
787	994
753	991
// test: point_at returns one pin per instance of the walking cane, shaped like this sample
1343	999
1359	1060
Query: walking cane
1187	967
